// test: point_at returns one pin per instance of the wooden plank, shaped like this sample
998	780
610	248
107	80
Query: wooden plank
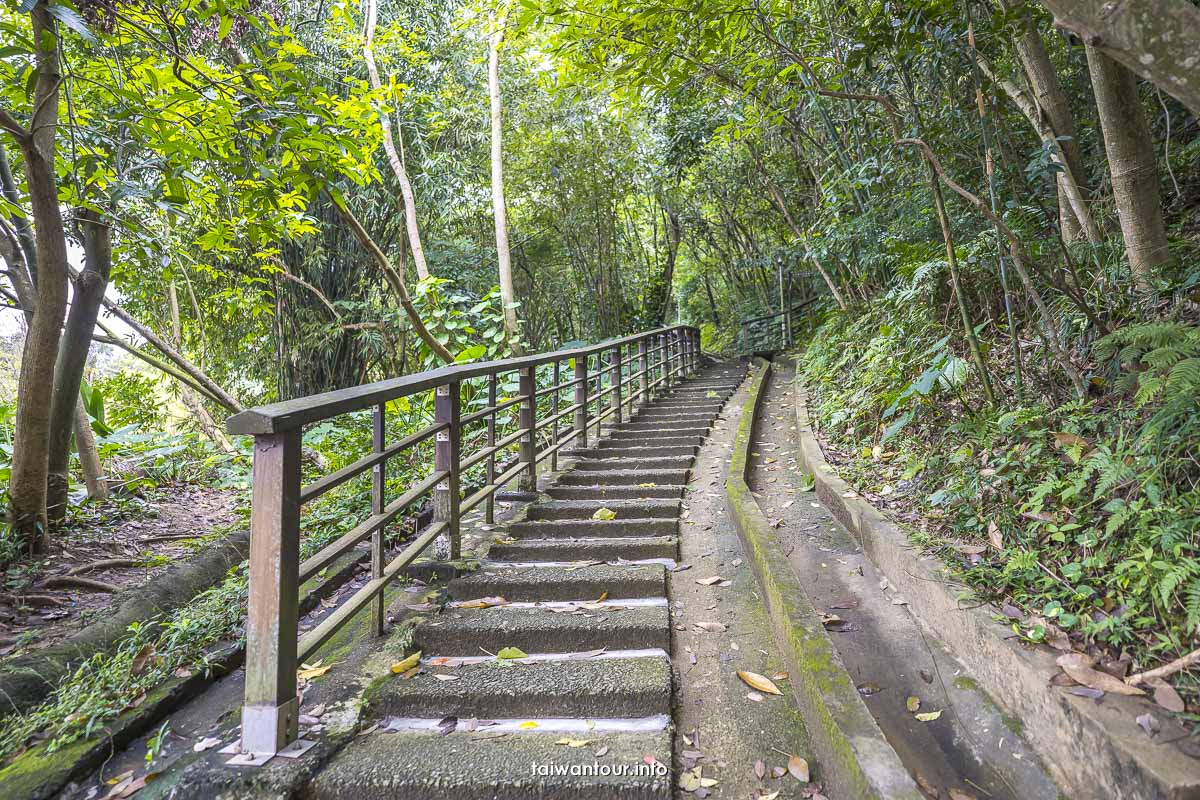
581	415
490	511
378	502
526	420
446	403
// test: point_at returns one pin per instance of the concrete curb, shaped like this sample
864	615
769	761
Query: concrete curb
1092	748
856	760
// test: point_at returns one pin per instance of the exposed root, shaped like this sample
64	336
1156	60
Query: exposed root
32	600
104	563
1178	665
75	582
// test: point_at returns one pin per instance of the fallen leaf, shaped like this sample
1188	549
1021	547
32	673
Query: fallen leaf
574	742
868	689
207	743
1081	671
448	725
709	581
511	652
759	682
310	671
604	514
798	767
755	697
603	751
443	677
1149	723
959	794
711	627
482	602
928	716
406	664
528	725
141	660
760	769
1166	696
913	704
995	538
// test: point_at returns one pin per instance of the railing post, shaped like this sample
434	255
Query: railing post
696	353
490	503
615	379
644	377
581	391
272	709
668	358
445	458
554	412
526	419
378	501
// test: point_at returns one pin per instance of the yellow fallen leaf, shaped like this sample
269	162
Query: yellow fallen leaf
928	716
759	682
407	664
574	742
308	672
647	485
528	725
604	513
913	704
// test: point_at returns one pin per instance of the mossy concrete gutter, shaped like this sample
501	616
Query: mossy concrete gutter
855	759
1093	748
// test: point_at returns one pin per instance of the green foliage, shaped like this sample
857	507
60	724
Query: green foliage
126	398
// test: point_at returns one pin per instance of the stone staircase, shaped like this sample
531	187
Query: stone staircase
588	713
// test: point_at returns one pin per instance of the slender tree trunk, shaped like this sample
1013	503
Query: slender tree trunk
89	285
503	256
1055	108
89	455
1133	166
27	488
207	424
389	145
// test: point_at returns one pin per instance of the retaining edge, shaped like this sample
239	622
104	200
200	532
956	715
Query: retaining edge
1092	748
856	760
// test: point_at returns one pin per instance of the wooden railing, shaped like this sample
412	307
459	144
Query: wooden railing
771	332
606	381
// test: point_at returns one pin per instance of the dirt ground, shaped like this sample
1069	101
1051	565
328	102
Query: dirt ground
128	540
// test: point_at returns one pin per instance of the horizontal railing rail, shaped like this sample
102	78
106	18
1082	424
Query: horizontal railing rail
605	380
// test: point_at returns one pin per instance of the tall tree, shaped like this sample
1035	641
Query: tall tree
499	212
1132	163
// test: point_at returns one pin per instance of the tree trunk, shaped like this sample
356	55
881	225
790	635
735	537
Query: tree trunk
389	147
89	456
1157	39
207	424
27	489
90	285
1132	163
503	256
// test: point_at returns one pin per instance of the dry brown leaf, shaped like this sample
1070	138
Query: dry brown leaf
709	581
1078	667
798	767
759	682
1166	696
995	538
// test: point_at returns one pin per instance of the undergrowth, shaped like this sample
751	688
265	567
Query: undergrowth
1083	513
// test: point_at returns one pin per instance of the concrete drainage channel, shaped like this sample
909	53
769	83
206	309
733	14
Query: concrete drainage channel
891	712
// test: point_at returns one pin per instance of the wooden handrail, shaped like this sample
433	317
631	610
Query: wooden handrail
624	371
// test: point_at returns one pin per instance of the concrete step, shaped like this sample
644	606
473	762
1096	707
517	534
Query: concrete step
637	430
591	688
469	766
691	443
635	450
673	476
594	528
668	416
586	509
689	406
613	492
470	632
662	462
526	584
608	548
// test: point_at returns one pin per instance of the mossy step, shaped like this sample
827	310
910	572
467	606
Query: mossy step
661	462
629	476
471	632
630	548
470	766
591	688
523	584
593	528
587	509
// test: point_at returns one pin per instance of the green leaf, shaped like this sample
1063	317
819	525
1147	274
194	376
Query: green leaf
512	652
70	17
